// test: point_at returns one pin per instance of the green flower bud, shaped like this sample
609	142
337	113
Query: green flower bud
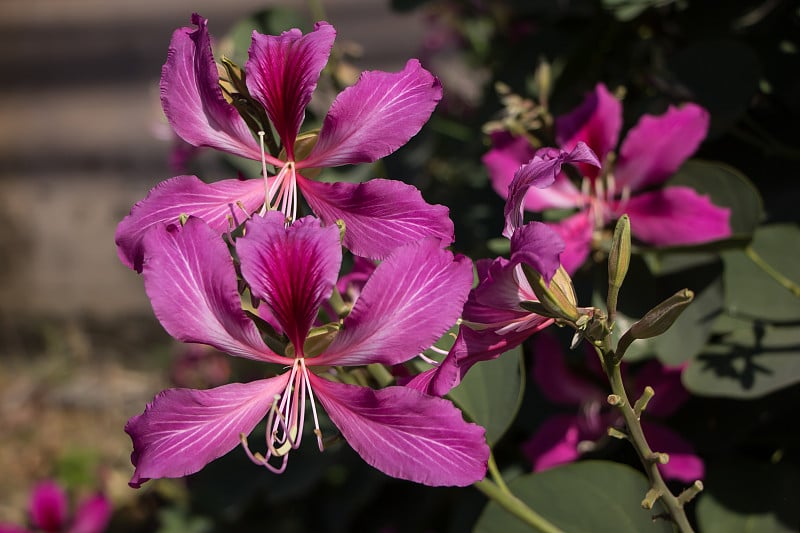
558	298
619	259
657	320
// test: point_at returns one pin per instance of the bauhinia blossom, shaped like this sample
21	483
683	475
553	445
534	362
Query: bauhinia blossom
408	302
493	319
564	437
631	182
366	122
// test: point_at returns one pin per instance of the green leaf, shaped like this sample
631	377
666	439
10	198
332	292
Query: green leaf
750	291
746	497
750	359
727	187
585	497
491	393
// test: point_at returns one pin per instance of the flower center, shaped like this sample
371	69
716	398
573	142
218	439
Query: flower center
286	420
281	194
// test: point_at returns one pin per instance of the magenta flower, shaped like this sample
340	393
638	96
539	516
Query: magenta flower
49	512
408	302
563	438
366	122
631	183
493	319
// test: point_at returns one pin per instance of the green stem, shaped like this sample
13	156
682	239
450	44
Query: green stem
496	475
636	436
785	282
515	506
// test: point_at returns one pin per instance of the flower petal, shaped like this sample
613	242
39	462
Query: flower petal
379	215
182	430
540	172
48	506
597	122
406	434
190	279
655	148
537	245
554	443
375	117
470	347
192	97
576	232
410	300
508	153
222	205
676	216
282	73
684	464
293	269
92	516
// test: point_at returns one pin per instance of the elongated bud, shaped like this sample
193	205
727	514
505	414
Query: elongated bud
559	297
619	259
657	320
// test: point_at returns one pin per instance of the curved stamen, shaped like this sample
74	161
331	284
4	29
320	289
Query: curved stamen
307	383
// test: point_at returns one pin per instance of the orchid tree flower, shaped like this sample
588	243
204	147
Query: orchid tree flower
49	512
564	437
493	320
631	182
407	303
367	121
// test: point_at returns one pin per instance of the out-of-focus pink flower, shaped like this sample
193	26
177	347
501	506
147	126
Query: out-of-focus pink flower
563	438
630	182
49	512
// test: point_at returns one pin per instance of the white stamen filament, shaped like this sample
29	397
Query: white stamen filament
286	420
283	190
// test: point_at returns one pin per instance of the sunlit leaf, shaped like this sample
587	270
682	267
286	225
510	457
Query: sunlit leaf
749	290
585	497
749	359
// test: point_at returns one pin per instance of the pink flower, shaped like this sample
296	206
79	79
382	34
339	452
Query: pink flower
407	303
49	513
563	438
366	122
631	183
494	320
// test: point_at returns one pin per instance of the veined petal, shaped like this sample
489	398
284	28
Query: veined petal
508	153
554	443
379	215
182	430
655	148
293	269
92	516
540	172
684	464
375	117
676	216
498	294
597	122
537	245
222	205
406	434
192	97
410	300
576	232
282	73
190	279
48	506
